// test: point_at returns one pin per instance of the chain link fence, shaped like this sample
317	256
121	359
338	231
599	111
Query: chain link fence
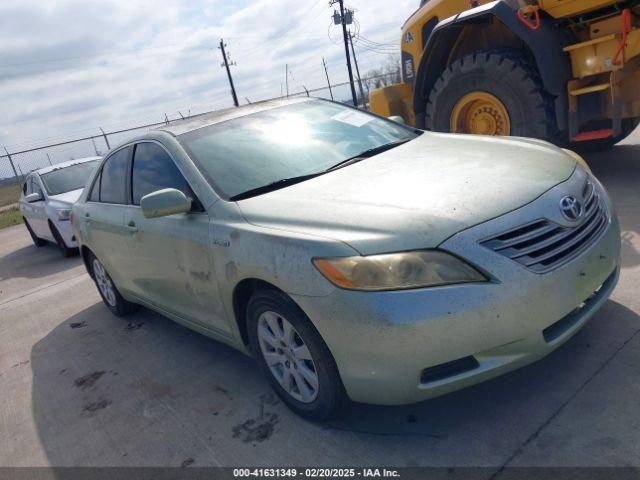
16	163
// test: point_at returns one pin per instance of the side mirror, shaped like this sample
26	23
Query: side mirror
397	119
33	197
168	201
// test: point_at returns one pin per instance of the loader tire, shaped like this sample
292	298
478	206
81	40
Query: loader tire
475	92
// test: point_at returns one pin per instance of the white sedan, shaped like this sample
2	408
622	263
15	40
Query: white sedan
46	200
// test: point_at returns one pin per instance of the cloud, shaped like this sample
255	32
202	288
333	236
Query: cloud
70	66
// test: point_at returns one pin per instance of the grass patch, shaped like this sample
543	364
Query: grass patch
9	194
10	217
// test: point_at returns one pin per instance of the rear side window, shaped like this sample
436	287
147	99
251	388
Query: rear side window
113	179
153	169
95	192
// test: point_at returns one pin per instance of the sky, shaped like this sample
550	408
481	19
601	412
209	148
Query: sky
68	67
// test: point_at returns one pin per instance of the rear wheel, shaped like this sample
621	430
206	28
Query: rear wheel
38	242
293	357
108	291
496	92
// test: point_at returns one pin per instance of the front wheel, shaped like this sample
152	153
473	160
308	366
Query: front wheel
495	92
108	291
38	242
293	356
66	251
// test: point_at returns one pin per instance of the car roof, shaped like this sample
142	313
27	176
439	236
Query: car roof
206	119
58	166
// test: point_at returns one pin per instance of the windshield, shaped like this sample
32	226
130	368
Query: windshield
68	178
306	138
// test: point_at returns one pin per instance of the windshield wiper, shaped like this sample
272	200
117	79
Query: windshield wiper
278	184
285	182
366	154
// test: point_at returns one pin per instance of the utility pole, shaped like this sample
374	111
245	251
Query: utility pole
355	62
226	64
286	77
343	22
324	64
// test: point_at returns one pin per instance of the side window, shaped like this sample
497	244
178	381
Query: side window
153	169
113	179
94	196
26	189
35	186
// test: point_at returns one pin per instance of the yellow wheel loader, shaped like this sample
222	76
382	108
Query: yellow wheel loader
567	71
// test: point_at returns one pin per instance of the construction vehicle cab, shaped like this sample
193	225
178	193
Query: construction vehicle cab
567	71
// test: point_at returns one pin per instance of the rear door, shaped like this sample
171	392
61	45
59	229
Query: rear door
172	264
103	217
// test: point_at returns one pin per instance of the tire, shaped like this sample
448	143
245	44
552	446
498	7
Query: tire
38	242
108	291
66	251
504	74
268	306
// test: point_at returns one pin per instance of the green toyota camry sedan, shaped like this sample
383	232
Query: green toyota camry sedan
353	257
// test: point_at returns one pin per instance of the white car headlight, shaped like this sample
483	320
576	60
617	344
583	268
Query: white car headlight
395	271
63	214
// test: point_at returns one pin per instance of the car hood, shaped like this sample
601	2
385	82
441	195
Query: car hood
68	198
415	195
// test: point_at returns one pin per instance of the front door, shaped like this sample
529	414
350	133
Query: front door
37	214
172	264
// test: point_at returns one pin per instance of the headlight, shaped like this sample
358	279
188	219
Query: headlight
394	271
581	161
63	215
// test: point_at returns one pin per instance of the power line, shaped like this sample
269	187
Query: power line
366	40
384	51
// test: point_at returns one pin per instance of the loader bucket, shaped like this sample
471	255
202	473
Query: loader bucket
393	100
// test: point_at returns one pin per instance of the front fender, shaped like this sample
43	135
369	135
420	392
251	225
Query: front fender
546	45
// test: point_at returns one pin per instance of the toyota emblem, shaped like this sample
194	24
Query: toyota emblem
571	208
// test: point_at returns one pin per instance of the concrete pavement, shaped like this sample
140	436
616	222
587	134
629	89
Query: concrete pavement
81	387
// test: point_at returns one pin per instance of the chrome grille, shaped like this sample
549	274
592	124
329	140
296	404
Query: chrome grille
543	245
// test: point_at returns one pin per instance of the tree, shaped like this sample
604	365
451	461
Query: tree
385	75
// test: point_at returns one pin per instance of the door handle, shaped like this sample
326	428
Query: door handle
131	226
87	217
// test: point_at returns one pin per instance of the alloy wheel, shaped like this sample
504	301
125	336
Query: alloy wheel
104	283
288	357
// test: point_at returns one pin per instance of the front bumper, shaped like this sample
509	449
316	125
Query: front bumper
383	342
66	231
